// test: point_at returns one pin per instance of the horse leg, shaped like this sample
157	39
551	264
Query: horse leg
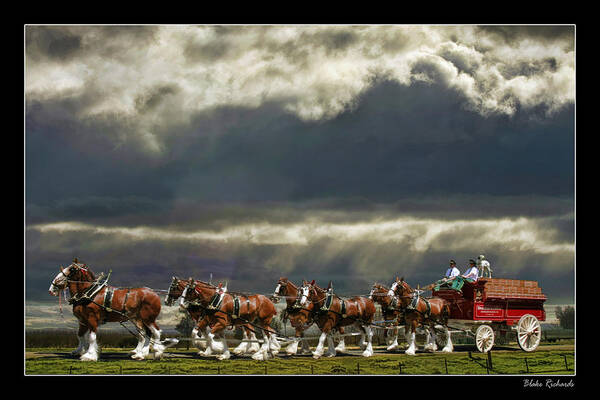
394	344
369	332
268	336
156	344
292	348
92	352
135	353
325	332
145	334
341	347
448	348
409	331
197	340
305	347
430	339
243	346
83	344
274	345
219	329
253	346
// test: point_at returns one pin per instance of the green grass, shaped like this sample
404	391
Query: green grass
547	360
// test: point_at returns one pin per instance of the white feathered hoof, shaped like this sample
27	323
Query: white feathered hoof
241	349
447	350
317	354
410	352
392	347
89	357
292	348
367	353
137	356
259	356
430	348
224	356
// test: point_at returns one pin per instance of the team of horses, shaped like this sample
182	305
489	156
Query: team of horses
214	309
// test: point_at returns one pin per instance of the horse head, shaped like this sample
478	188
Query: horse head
175	290
281	289
75	273
305	293
379	293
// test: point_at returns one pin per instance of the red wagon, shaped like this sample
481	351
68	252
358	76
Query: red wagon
490	308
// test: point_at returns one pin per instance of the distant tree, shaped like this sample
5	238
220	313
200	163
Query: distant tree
185	325
566	317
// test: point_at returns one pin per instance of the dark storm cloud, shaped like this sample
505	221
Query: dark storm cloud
515	33
61	44
398	143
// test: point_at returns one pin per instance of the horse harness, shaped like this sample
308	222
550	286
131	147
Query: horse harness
329	301
412	307
88	295
216	301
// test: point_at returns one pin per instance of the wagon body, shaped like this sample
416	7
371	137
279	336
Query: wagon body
492	307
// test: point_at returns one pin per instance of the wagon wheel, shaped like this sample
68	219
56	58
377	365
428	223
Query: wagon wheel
484	338
441	338
529	332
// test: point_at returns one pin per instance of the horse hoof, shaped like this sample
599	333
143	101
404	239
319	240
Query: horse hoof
87	357
367	354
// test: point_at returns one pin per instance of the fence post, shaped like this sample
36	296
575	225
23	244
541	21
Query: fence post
566	363
70	369
357	368
446	365
265	370
489	357
120	370
526	365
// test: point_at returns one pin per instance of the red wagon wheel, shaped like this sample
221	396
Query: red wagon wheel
529	332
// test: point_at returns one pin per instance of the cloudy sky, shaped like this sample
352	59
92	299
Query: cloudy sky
345	153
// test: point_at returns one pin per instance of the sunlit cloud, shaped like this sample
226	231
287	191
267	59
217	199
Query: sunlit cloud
424	234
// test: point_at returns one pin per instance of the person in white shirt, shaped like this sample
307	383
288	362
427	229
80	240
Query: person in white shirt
452	271
472	273
484	266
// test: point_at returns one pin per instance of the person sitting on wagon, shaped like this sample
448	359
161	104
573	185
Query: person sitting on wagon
470	275
451	273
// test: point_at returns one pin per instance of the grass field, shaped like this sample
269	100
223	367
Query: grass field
548	359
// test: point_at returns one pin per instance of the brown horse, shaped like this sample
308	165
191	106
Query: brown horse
358	311
95	304
300	318
419	311
389	309
199	316
221	312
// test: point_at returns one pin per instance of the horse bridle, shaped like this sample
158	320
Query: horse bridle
174	285
76	267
